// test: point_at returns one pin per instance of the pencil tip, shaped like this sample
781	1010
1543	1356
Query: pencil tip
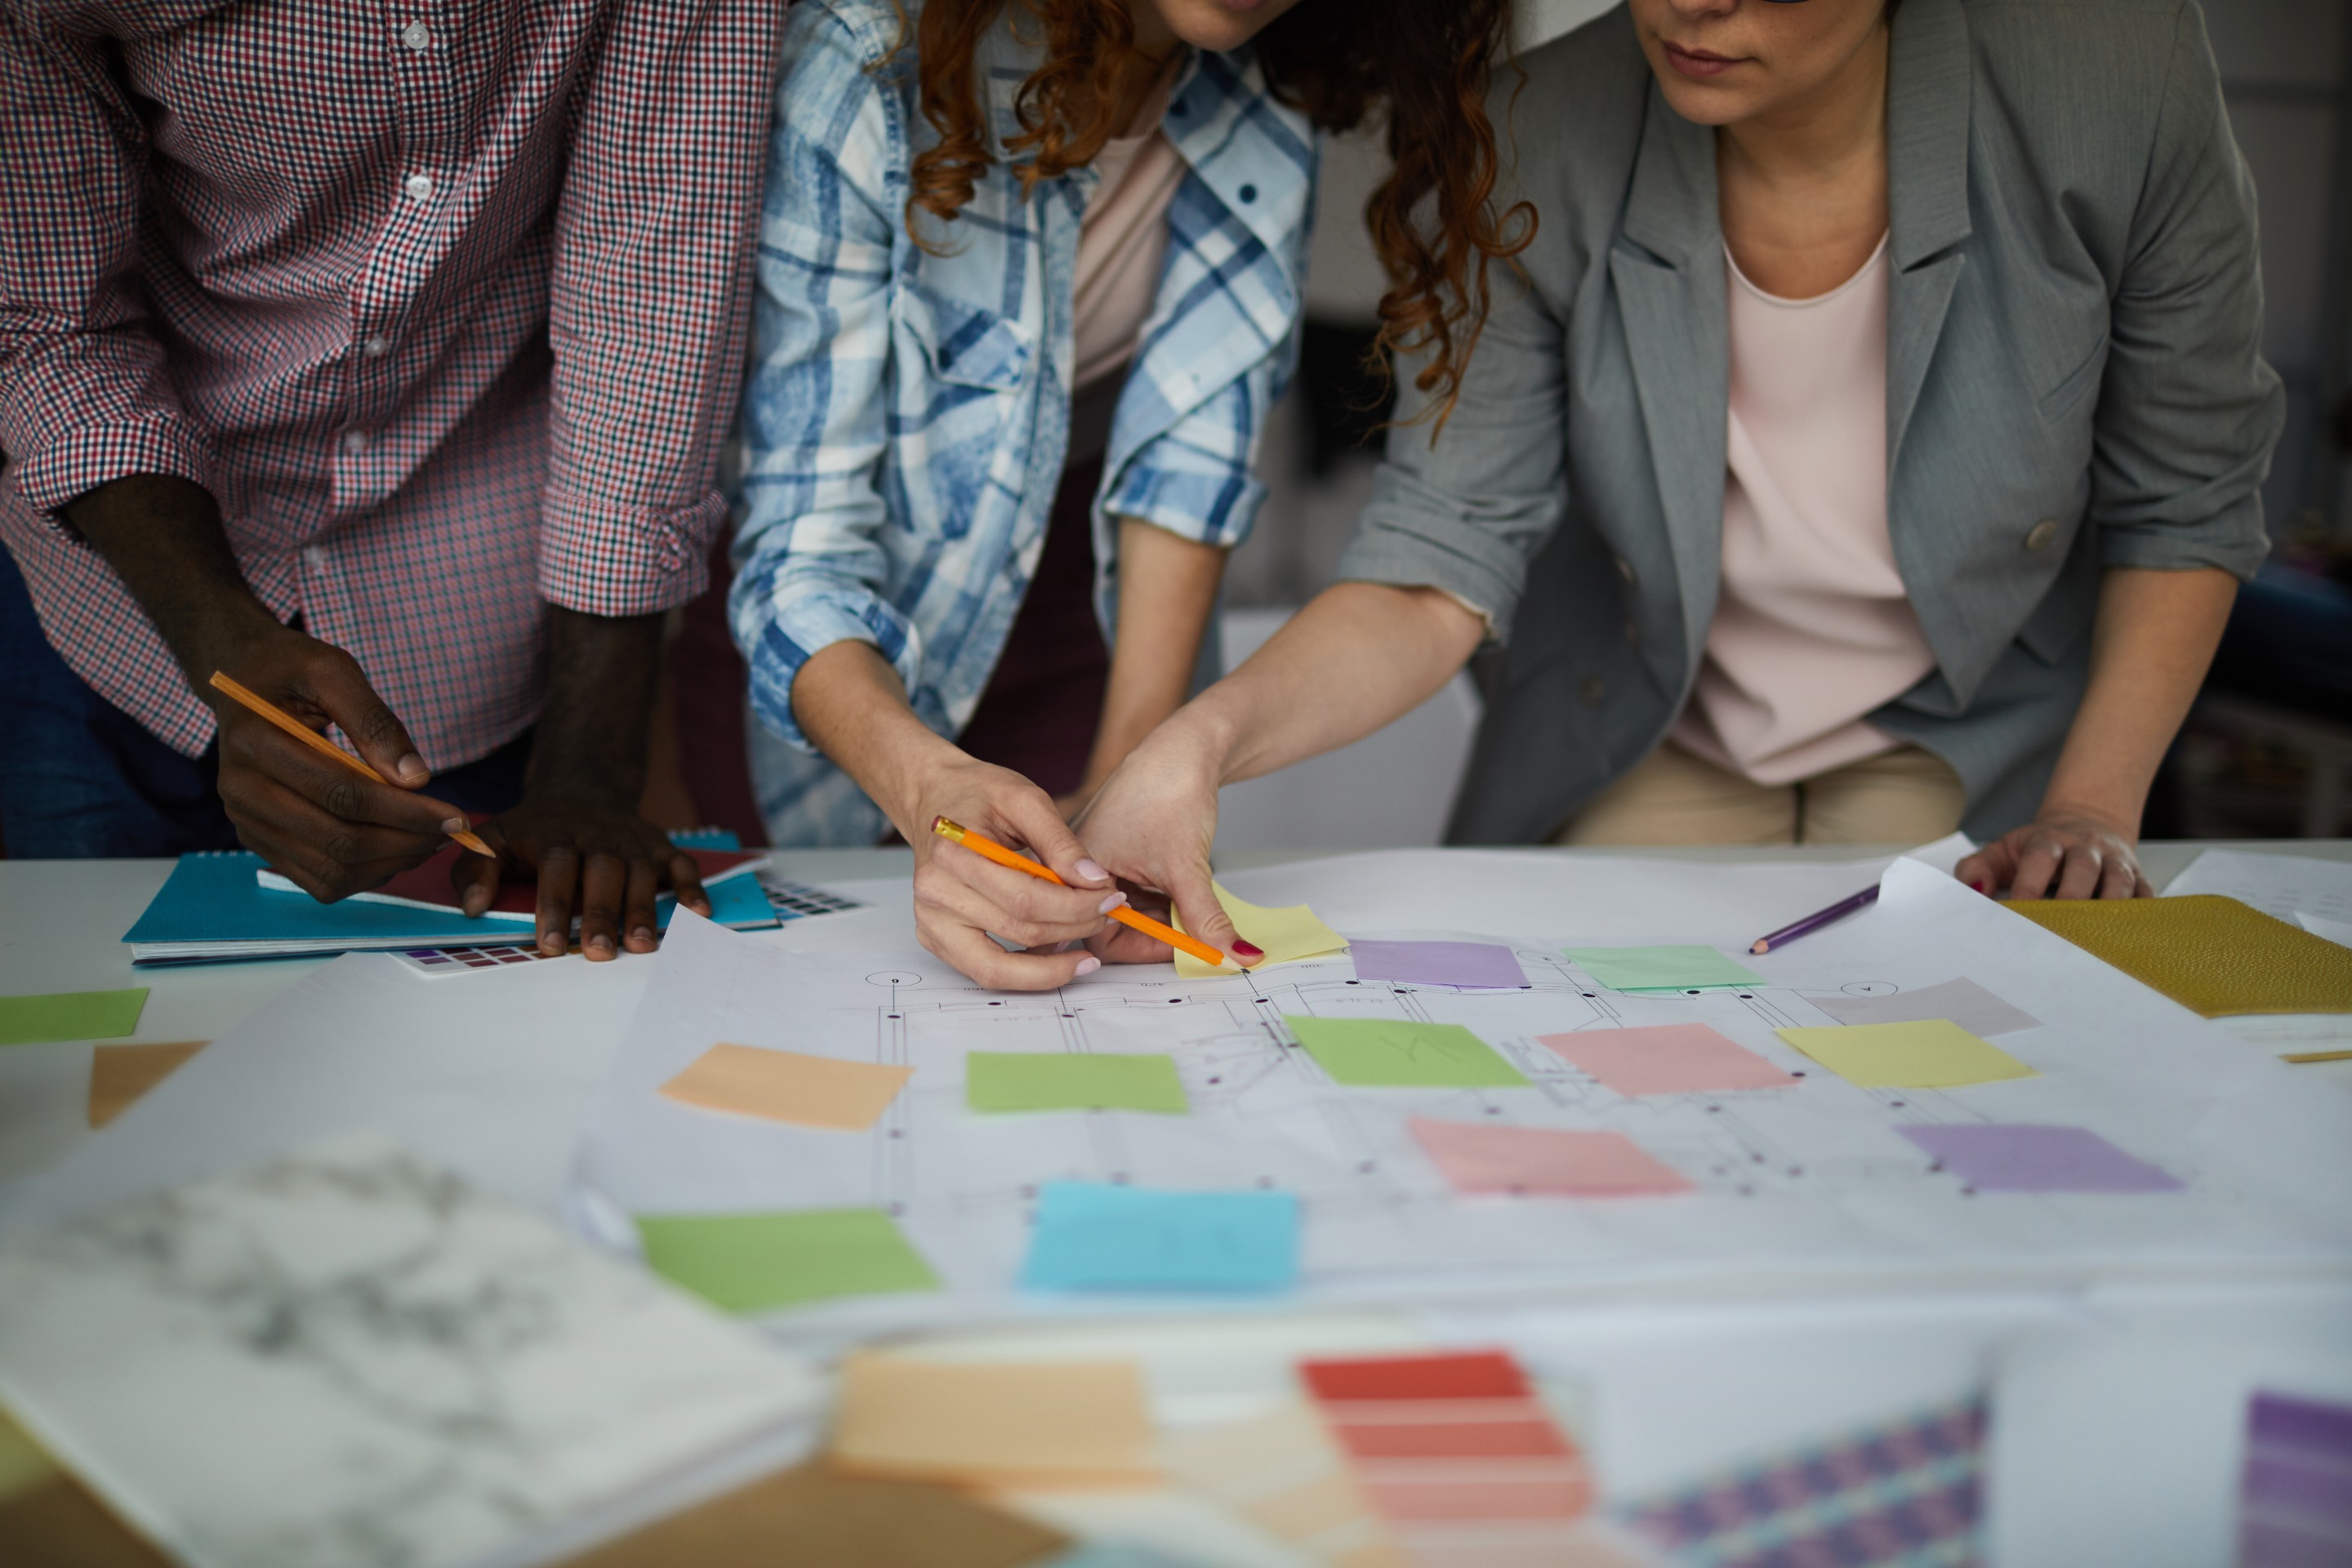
1759	945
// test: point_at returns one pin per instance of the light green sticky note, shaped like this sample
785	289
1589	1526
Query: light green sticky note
1396	1053
757	1262
1931	1053
1659	968
1057	1080
70	1015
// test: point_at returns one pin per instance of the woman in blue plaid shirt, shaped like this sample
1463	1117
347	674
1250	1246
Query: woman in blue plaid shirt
1029	280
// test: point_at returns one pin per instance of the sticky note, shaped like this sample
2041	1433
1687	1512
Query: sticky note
1929	1053
1093	1236
1964	1002
1666	1059
1285	934
758	1262
786	1086
1437	963
1659	968
1478	1157
1039	1424
1396	1053
120	1076
2017	1158
70	1015
1059	1081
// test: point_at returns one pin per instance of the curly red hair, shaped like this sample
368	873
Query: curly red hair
1425	62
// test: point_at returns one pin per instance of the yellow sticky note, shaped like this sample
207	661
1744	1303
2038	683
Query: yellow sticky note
1285	934
1930	1053
1013	1424
785	1086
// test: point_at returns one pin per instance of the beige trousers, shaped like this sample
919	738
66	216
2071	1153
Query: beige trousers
1904	797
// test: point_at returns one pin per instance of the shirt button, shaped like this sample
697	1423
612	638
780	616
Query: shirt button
2043	534
376	347
354	440
1248	193
419	187
418	36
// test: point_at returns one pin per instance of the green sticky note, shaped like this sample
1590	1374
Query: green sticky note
757	1262
1054	1081
1933	1053
1396	1053
1660	968
70	1015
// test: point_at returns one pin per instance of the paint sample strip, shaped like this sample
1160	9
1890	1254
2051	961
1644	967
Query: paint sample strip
1456	1451
1933	1053
789	1087
2294	1494
1282	1472
2016	1158
1666	1059
1478	1157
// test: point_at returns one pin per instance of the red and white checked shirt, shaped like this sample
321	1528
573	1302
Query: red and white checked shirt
443	300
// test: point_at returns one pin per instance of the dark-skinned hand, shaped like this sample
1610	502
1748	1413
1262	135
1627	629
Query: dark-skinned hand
603	862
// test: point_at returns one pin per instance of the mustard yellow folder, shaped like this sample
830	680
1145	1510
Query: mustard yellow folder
2213	955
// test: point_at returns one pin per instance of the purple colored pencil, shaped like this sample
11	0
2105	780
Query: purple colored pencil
1814	922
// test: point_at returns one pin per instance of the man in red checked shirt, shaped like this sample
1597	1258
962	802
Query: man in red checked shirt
377	354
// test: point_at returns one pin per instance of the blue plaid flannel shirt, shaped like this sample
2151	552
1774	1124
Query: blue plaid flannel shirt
906	414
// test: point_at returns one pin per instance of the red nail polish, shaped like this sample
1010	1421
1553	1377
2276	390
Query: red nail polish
1249	948
1976	887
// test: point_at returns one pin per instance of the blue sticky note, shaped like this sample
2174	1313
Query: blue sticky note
1093	1236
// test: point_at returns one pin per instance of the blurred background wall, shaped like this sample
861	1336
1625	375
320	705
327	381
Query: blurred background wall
2269	752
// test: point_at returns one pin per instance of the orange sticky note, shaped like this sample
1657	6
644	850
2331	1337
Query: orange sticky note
121	1074
1036	1423
786	1086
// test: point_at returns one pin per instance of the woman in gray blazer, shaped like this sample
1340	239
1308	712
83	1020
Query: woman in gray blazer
1733	589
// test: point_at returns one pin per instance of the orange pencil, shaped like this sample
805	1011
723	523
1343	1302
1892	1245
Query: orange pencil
260	704
956	833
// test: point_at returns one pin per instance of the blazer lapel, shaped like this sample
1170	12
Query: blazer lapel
1927	196
1667	269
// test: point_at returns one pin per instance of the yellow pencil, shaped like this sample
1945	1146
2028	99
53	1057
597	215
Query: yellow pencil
2318	1057
257	703
956	833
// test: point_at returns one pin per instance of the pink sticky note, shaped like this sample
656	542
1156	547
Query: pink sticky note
1478	1158
1668	1058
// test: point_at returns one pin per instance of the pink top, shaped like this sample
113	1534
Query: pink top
1812	628
1121	240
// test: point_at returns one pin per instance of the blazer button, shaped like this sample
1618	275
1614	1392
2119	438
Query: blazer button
1594	690
2043	534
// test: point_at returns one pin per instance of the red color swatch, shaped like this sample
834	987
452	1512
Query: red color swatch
1477	1374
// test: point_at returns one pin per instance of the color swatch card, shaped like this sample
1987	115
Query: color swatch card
1934	1053
2295	1493
1394	1053
2026	1158
1466	964
1478	1157
1285	934
1009	1423
1637	969
1964	1002
70	1015
1282	1471
1097	1236
787	1086
1451	1446
761	1262
1665	1059
1000	1081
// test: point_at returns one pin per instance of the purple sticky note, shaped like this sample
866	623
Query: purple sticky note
1437	963
2021	1159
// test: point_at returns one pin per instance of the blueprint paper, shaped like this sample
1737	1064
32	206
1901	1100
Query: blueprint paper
1092	1236
1812	1176
2281	885
2336	931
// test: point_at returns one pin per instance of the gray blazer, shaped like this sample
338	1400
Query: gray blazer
2072	383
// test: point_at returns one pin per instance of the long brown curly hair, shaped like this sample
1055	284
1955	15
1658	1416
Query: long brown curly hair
1425	62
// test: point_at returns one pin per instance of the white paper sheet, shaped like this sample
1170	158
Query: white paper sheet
348	1356
2336	931
1789	1181
2281	885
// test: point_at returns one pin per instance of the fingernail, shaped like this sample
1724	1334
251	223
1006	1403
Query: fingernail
1249	948
1091	872
412	766
552	945
454	825
1089	964
642	933
600	942
478	898
1976	887
1111	903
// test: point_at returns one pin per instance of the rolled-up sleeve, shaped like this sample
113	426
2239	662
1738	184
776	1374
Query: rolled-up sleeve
649	300
810	565
2189	413
84	396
